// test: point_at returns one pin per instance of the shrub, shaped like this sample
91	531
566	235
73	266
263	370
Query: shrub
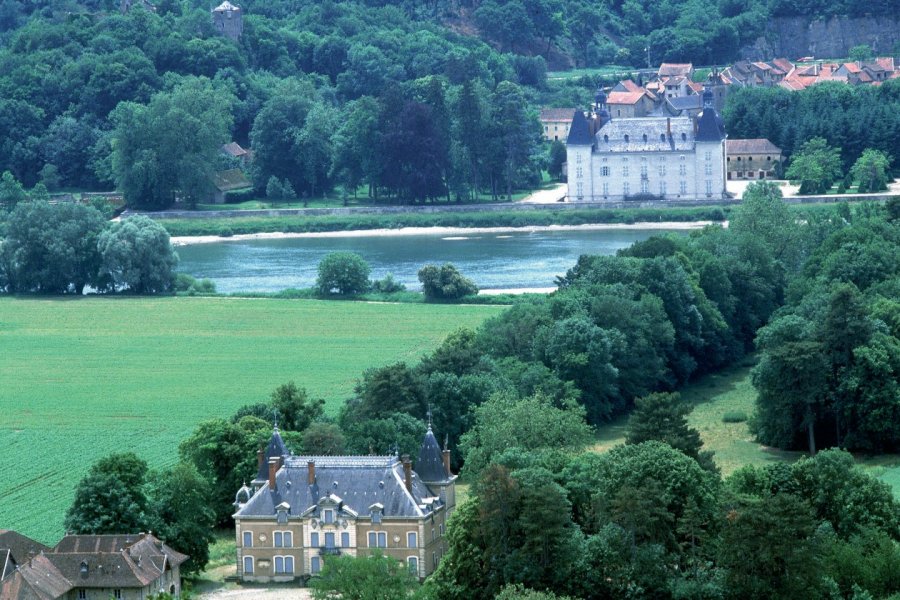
343	274
388	285
734	416
445	283
191	286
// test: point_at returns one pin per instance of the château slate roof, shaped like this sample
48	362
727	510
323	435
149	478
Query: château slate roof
275	449
627	135
709	126
580	131
430	465
357	482
225	7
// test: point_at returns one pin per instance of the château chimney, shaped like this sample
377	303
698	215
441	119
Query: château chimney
311	472
407	472
273	468
260	460
669	126
446	455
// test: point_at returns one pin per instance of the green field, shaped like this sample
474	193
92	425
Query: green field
81	378
730	390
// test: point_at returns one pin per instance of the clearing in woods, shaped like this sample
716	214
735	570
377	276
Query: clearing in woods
83	377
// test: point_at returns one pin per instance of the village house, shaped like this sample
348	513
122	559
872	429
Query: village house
555	122
91	567
752	159
300	509
630	104
651	158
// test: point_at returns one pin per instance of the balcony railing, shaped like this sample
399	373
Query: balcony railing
329	551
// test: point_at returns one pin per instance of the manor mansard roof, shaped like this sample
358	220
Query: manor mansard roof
646	134
355	483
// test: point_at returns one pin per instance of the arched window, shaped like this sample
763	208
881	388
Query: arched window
413	563
248	565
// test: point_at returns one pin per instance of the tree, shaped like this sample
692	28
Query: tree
169	148
445	283
556	158
180	504
816	166
872	171
769	550
519	592
505	422
11	191
342	274
324	439
860	53
662	417
137	255
111	498
294	408
52	249
372	577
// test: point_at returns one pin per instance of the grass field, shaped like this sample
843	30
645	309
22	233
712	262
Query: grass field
81	378
731	391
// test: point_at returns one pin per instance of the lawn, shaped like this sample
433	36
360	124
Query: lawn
731	391
85	377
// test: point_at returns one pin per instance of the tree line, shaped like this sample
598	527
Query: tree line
69	247
342	94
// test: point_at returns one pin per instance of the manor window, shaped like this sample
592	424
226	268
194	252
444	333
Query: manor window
248	539
248	565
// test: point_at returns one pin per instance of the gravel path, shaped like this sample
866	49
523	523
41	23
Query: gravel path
254	593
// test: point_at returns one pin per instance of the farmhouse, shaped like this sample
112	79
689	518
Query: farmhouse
555	122
752	159
92	567
307	507
653	158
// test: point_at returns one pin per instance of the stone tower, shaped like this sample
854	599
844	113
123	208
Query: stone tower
228	20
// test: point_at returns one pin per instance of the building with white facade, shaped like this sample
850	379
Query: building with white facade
650	158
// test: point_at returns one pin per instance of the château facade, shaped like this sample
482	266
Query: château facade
649	158
301	509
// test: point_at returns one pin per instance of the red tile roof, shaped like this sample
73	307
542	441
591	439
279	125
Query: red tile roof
624	97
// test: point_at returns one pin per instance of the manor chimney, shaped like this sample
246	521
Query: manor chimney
311	472
273	469
407	473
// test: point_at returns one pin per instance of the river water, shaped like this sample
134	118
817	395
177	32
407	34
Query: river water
517	260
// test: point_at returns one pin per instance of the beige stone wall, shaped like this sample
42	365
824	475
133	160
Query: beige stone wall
263	549
556	130
749	165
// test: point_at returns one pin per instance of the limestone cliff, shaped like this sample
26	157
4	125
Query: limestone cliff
794	37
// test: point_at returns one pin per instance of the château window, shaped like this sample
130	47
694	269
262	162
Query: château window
248	565
625	189
248	539
411	540
315	565
662	188
413	565
329	540
683	137
606	139
682	187
682	169
314	539
604	171
708	169
377	539
645	186
605	189
645	137
707	156
625	171
662	137
708	187
329	517
345	539
626	138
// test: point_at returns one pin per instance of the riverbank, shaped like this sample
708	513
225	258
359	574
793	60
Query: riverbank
446	232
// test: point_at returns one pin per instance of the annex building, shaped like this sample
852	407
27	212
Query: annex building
89	567
301	509
646	158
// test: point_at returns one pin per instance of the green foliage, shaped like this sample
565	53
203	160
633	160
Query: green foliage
137	256
661	417
872	171
324	439
191	286
11	191
373	577
861	52
517	591
769	550
167	150
816	166
294	408
111	498
52	249
342	274
388	285
505	422
445	283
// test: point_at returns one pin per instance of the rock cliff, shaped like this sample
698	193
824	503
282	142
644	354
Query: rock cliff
794	37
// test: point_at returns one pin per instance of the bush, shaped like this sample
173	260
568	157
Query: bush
445	283
343	274
734	416
388	285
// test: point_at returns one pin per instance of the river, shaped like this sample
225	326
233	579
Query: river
514	260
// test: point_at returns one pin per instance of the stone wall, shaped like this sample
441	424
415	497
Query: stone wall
795	37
